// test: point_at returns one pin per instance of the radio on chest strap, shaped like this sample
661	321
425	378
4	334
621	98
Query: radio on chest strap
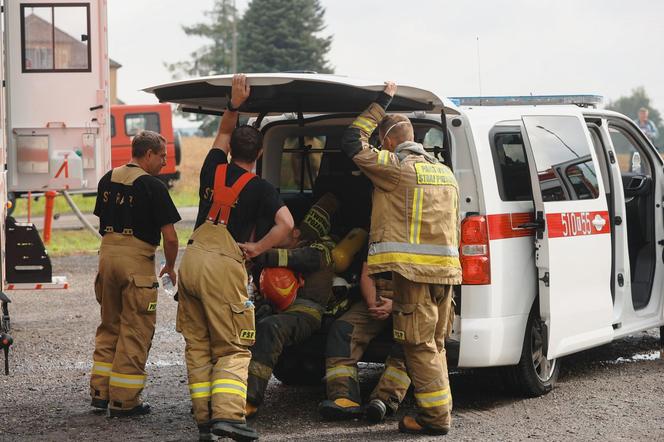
225	197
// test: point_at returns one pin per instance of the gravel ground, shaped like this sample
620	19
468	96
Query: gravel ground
615	392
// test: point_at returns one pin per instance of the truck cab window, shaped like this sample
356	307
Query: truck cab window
134	123
55	37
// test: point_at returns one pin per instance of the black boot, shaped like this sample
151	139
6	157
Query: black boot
102	404
375	411
204	433
138	410
339	409
236	431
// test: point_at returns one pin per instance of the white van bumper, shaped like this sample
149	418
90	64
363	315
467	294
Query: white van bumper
490	342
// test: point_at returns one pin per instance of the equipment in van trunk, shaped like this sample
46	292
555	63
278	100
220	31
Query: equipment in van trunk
563	230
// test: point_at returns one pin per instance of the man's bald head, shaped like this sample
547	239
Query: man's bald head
397	128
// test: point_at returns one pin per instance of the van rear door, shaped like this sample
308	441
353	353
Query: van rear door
573	241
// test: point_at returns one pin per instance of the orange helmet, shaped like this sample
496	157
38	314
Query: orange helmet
279	285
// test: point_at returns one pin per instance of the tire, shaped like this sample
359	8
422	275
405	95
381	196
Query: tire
299	369
534	375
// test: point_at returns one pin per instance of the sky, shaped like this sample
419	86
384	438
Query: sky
454	48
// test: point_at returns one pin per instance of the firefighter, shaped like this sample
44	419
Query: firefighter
347	341
415	235
215	315
135	211
308	252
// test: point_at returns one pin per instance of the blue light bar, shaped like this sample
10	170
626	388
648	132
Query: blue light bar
530	100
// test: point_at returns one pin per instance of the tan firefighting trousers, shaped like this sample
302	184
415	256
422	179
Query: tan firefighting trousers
126	289
217	324
347	341
421	314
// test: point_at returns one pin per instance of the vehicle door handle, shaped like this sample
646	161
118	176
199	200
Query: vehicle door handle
535	224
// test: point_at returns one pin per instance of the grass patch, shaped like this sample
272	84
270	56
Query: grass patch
75	242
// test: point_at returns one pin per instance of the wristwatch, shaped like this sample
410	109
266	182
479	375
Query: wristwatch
230	107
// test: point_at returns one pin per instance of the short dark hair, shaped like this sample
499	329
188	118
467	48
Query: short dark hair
246	142
146	140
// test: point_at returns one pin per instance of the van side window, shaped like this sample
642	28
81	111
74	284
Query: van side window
134	123
300	164
562	155
55	37
112	126
625	148
509	157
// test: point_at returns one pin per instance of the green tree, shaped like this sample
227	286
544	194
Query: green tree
630	105
283	35
213	58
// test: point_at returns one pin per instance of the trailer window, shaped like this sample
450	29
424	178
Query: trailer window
134	123
55	37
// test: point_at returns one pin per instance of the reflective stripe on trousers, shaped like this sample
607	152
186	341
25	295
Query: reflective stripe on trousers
101	368
229	386
398	376
200	390
434	398
340	371
127	380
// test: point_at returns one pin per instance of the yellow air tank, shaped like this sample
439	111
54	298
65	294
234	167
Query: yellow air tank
345	251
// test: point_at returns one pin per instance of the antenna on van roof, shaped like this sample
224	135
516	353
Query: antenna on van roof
479	68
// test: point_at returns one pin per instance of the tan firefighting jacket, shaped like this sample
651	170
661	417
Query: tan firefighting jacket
415	214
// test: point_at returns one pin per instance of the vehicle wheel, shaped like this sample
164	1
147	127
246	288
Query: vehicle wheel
534	375
298	369
11	197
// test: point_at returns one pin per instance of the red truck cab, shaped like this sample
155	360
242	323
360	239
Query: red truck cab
129	119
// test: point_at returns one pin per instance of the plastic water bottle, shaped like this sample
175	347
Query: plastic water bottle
167	283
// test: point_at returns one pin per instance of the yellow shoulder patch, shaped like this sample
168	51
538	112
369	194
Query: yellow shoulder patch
248	334
434	174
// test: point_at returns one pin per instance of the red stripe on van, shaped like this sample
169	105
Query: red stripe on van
506	225
566	224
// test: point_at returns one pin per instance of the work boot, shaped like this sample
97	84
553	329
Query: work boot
138	410
339	409
236	431
409	424
375	411
204	433
102	404
250	410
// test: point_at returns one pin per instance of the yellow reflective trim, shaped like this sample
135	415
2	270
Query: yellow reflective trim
434	174
416	216
229	381
128	376
282	254
364	124
102	364
304	309
434	404
200	395
432	394
125	385
101	373
235	391
383	157
200	385
398	376
341	371
411	258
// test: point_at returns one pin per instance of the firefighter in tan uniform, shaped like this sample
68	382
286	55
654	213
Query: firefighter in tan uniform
414	235
347	341
308	251
215	315
134	210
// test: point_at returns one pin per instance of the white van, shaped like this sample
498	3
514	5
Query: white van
562	229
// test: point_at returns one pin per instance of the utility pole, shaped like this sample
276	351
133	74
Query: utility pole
234	40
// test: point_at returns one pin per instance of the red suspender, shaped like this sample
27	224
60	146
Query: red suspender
224	197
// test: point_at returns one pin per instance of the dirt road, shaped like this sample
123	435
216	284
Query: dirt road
615	392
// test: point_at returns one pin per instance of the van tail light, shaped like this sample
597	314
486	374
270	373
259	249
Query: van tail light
475	260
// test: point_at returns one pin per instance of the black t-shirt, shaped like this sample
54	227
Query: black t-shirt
144	207
256	206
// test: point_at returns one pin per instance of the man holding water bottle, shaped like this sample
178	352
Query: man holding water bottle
135	211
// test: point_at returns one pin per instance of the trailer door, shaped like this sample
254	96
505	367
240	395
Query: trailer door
573	241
